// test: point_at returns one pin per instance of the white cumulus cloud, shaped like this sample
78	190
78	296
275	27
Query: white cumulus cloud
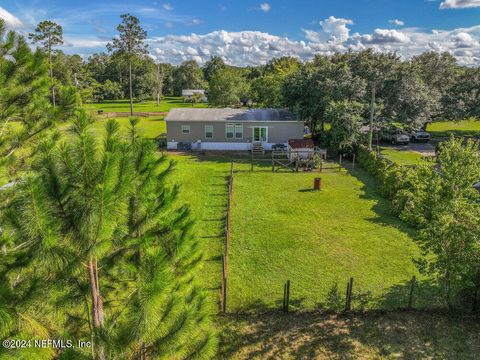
459	4
396	22
168	6
383	36
11	20
334	30
265	7
245	48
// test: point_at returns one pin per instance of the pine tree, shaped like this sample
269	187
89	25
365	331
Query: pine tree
168	316
25	111
96	233
49	34
130	43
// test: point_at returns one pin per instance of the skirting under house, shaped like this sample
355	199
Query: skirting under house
173	145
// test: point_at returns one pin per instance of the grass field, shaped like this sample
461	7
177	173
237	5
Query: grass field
283	231
401	157
470	127
149	127
166	105
395	335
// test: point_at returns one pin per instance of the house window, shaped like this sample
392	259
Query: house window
238	131
185	129
208	131
230	128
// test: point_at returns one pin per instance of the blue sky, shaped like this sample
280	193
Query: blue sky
248	32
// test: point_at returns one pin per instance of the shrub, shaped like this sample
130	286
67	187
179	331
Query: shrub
393	178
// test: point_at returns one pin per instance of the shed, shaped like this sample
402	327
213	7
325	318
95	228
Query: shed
300	148
188	93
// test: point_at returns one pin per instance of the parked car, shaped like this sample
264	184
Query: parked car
394	135
400	138
420	136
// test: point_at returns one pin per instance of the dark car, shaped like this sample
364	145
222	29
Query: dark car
420	136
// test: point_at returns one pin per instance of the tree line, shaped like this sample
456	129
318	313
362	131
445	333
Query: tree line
351	89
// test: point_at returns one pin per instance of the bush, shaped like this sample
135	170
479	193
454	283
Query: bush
393	178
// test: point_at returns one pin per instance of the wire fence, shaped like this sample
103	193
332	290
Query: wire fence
223	288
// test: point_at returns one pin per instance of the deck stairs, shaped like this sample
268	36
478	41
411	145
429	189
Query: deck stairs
257	148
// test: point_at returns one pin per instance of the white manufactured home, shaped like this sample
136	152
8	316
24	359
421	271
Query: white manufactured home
231	129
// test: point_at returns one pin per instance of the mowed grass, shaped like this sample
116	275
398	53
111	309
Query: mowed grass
166	105
148	127
284	231
203	187
469	127
402	157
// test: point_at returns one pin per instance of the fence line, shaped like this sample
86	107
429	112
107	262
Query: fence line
226	245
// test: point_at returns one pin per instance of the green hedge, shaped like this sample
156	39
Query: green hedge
393	178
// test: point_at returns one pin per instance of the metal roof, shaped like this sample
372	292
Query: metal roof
228	114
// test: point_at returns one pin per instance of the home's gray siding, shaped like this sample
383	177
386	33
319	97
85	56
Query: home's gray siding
278	131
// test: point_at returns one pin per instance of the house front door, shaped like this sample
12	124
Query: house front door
260	134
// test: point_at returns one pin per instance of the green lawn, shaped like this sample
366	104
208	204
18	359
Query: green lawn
282	230
401	157
149	127
470	127
203	181
141	106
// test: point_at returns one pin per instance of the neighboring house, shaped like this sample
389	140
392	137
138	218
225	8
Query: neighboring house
188	93
231	129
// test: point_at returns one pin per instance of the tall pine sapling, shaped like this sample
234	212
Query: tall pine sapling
49	34
130	43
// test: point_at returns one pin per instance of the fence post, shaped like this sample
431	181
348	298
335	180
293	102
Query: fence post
222	286
353	165
251	169
340	163
224	300
273	164
410	296
321	164
348	301
286	296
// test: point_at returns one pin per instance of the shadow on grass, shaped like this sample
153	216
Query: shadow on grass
427	294
382	206
307	190
309	335
224	157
